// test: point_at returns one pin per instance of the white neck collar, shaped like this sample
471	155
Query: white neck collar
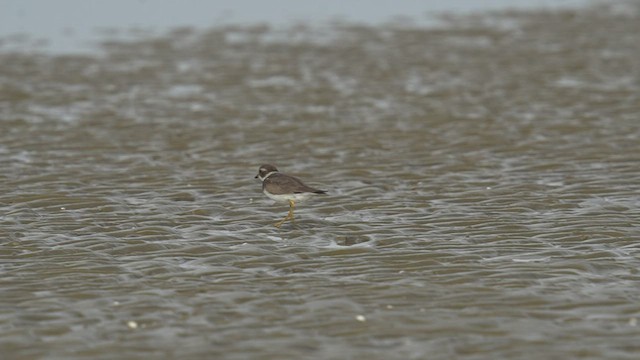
268	174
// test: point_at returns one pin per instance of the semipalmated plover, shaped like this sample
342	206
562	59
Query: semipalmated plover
284	188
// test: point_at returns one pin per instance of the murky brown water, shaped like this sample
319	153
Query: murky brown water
484	178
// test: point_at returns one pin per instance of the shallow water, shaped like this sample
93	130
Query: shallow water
483	177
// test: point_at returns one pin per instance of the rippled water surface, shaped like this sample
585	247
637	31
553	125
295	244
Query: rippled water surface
484	180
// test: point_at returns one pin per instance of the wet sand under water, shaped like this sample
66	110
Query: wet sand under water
483	178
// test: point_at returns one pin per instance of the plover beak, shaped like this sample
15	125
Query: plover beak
256	177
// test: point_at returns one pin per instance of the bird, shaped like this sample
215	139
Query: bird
284	188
